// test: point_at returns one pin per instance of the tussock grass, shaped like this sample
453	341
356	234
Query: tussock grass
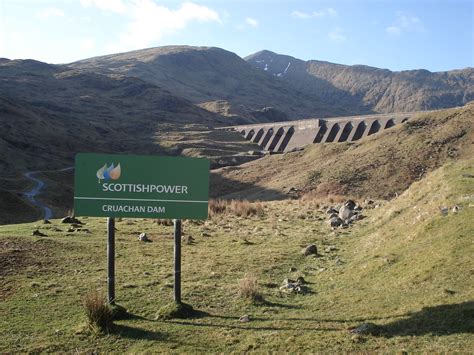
99	314
248	289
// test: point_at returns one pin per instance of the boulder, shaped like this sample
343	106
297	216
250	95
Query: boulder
350	204
310	250
335	222
345	213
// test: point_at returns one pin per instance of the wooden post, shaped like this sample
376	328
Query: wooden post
177	260
111	260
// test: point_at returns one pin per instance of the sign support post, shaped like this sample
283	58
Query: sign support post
177	260
111	260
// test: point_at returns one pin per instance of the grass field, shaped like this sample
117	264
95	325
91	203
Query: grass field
406	268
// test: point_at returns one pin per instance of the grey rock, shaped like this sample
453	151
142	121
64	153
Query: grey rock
356	217
301	280
350	204
331	210
244	319
345	213
37	233
69	219
366	328
332	215
444	211
292	269
143	237
310	250
335	222
455	209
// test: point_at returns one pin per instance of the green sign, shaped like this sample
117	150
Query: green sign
109	185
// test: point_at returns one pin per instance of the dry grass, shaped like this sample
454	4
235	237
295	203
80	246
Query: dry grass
99	314
241	208
248	289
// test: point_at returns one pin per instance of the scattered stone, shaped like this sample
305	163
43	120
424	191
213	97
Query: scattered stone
366	328
350	204
455	209
301	280
292	269
143	238
333	215
291	286
335	222
330	248
444	211
244	319
358	208
69	219
37	233
356	217
46	221
310	249
331	210
70	230
369	202
345	213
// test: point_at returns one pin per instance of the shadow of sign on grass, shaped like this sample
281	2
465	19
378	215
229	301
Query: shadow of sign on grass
438	320
126	331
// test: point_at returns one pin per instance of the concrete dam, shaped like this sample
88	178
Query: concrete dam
285	136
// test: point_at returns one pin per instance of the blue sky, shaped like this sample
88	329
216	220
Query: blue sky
398	35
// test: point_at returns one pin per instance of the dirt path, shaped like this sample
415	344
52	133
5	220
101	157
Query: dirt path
31	195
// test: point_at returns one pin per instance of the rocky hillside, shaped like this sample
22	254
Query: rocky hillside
361	88
216	79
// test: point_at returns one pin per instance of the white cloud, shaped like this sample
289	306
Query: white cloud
394	30
150	22
251	22
116	6
405	23
50	12
301	15
337	35
329	12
